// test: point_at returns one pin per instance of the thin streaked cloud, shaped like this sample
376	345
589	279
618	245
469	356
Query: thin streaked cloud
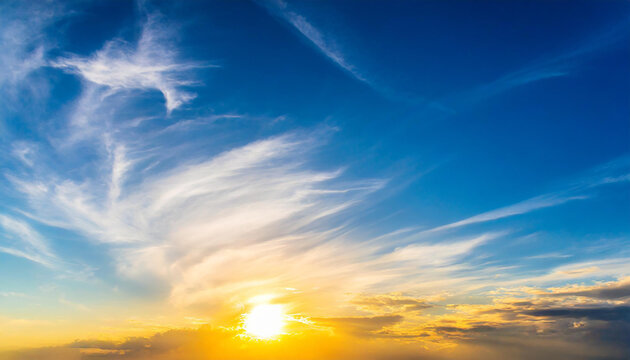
615	171
324	43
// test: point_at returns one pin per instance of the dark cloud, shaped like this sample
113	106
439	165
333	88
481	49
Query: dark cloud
606	292
599	327
608	313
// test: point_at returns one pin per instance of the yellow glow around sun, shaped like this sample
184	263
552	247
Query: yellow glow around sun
265	321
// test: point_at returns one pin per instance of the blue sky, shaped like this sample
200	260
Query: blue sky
424	148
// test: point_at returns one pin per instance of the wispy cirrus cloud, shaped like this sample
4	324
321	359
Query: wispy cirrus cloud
193	225
612	172
551	65
21	240
190	225
209	224
22	42
321	41
246	204
24	45
529	205
149	65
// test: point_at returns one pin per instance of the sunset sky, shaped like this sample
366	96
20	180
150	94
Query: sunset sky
324	180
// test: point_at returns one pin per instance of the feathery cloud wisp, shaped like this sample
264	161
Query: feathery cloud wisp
551	66
151	64
327	46
26	241
615	171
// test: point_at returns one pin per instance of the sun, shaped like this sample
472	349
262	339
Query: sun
265	321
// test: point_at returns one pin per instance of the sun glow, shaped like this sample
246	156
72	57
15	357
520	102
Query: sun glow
265	321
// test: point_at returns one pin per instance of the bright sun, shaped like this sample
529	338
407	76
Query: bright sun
265	321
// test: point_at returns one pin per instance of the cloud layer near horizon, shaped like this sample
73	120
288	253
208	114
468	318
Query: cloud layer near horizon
574	322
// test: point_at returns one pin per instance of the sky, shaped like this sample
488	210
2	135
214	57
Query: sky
404	179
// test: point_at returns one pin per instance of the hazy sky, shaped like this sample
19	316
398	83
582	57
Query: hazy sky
408	179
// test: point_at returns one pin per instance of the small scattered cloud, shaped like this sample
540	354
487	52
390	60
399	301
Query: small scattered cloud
363	326
390	303
24	151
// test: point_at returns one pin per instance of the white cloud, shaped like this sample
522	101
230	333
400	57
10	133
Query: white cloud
150	65
24	241
20	42
24	151
439	254
327	47
536	203
325	44
169	223
250	219
551	66
615	171
23	48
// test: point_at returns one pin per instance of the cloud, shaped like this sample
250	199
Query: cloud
612	172
553	321
250	204
25	241
325	44
236	220
601	268
607	291
533	325
22	43
442	337
608	313
529	205
190	226
390	303
437	254
215	343
551	66
24	152
360	325
149	65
